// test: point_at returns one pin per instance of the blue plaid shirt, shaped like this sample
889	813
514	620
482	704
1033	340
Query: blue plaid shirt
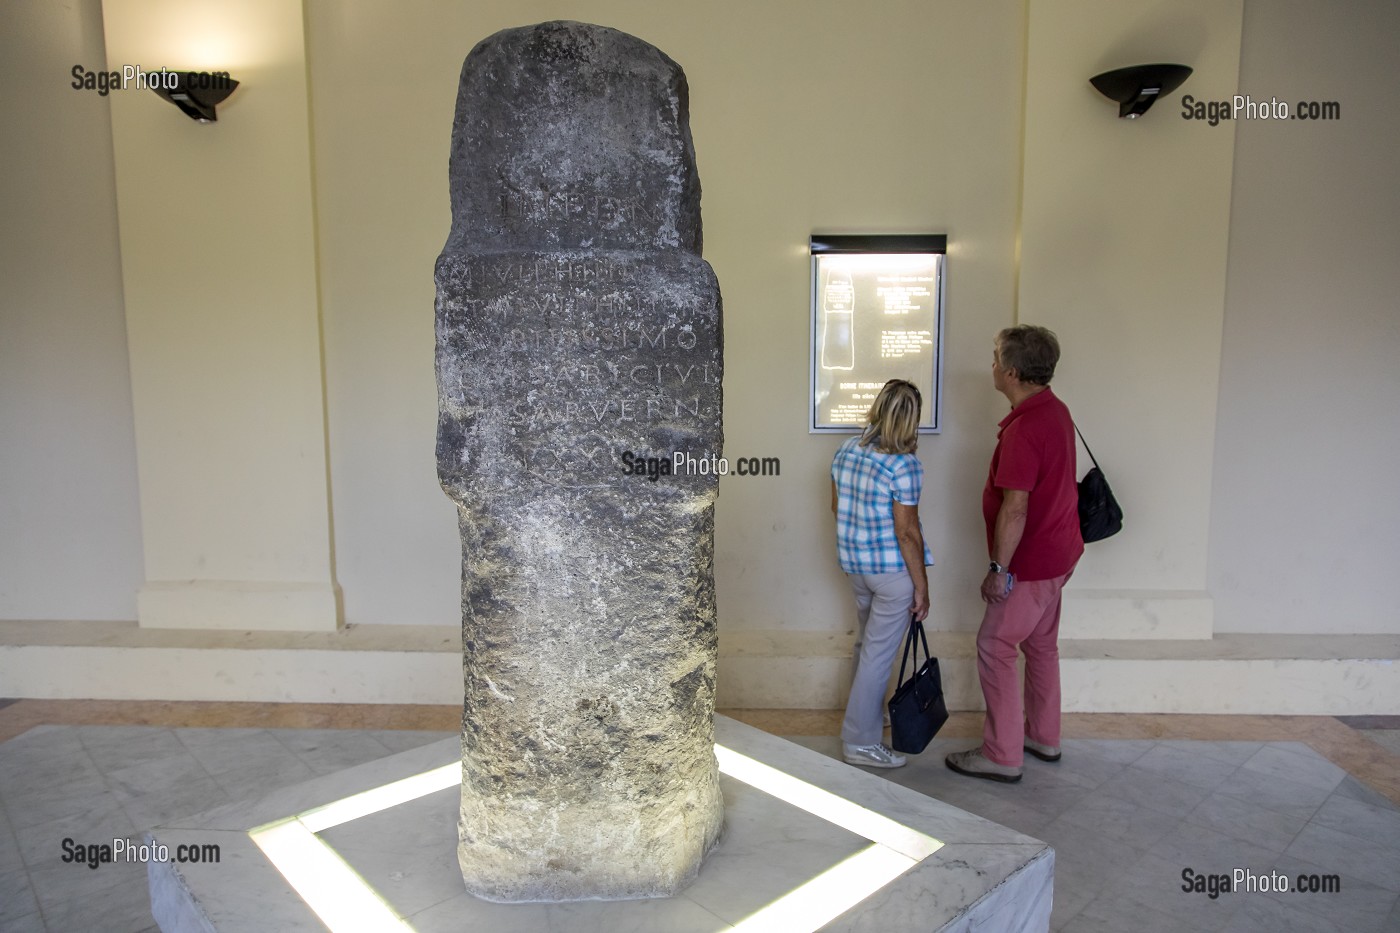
867	483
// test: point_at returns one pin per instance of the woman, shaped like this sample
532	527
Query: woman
875	484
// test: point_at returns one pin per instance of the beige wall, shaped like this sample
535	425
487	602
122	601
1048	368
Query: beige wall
219	264
70	529
891	117
1123	236
896	116
1306	515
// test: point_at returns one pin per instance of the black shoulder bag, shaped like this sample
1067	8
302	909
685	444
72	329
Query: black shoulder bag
917	709
1099	513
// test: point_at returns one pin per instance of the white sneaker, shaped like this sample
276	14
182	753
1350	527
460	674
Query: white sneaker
878	755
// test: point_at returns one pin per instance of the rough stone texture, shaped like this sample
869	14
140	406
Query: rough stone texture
576	322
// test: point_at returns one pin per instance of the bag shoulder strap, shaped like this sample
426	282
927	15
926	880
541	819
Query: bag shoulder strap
1086	447
911	647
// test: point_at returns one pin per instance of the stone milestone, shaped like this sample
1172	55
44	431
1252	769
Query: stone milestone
578	337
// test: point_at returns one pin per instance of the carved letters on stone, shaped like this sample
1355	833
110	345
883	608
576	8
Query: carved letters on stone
576	322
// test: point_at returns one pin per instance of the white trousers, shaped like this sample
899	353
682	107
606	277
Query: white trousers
883	603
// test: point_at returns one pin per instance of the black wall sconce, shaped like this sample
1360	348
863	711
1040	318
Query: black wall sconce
1137	88
196	93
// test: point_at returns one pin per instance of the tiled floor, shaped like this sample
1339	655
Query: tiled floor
1129	807
1127	816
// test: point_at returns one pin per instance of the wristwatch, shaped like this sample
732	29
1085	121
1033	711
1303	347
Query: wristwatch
996	568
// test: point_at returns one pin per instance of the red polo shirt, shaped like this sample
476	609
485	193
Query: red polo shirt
1035	452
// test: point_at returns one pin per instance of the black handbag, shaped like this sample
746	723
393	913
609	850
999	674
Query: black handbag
1099	513
917	709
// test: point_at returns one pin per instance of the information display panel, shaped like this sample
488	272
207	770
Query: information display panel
877	314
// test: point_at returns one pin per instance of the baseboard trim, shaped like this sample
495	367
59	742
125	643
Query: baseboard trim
1257	674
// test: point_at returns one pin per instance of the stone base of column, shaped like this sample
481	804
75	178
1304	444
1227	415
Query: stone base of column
812	843
659	847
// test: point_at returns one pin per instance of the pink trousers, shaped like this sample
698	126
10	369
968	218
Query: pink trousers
1029	619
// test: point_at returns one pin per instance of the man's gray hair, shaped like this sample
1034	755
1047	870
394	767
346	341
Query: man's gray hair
1031	351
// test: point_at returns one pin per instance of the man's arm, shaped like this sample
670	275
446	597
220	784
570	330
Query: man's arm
911	548
1006	537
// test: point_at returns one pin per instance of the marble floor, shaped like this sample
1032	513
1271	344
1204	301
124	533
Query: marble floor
1135	801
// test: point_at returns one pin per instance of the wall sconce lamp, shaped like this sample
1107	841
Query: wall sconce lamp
196	93
1137	88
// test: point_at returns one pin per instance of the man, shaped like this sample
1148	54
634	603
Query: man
1031	507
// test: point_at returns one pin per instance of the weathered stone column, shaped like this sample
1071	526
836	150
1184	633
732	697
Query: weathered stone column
578	332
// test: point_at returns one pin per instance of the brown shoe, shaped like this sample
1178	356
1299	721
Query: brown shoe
974	764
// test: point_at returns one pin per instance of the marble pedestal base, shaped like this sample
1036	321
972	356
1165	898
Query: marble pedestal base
860	853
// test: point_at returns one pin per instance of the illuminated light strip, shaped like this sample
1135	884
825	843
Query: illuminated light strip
813	905
346	903
822	803
343	900
381	798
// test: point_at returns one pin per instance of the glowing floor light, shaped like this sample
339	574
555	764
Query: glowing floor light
381	798
346	903
343	900
813	905
897	848
823	803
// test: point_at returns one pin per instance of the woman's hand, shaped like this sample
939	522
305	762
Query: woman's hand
920	605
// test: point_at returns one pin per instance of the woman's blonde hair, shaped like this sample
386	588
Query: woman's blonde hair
894	419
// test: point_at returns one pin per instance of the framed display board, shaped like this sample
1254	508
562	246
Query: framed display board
877	315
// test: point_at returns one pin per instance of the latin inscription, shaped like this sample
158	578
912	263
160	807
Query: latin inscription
587	207
615	410
506	308
576	341
632	335
545	271
613	375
